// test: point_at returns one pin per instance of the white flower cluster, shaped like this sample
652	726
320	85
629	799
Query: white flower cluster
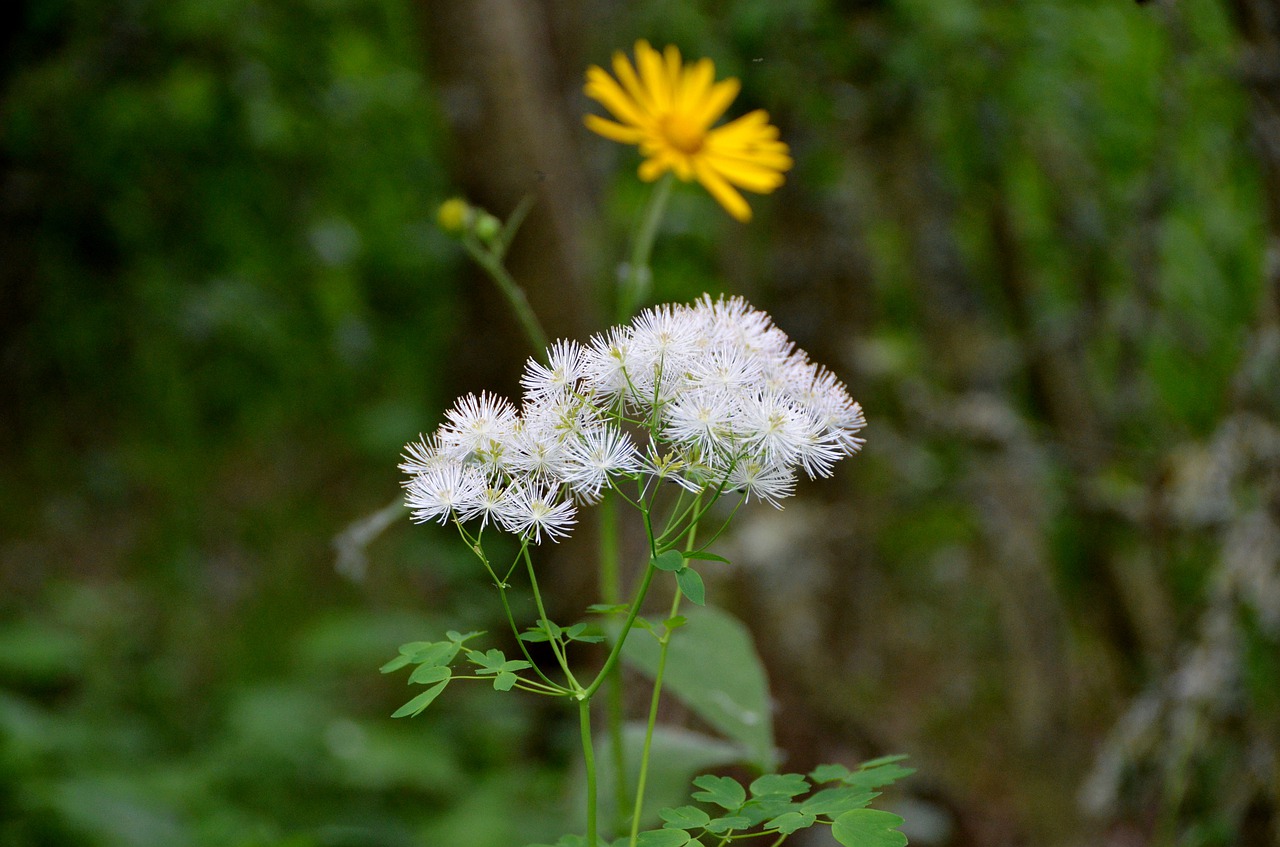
724	400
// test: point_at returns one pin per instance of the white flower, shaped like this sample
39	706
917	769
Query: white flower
560	375
701	419
727	369
775	428
664	340
559	417
531	510
733	324
607	361
450	489
489	504
835	411
421	456
729	401
600	453
820	449
770	483
537	458
477	427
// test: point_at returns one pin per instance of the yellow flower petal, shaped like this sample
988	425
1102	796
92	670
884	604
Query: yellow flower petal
694	84
712	106
613	131
745	175
653	76
724	193
602	88
627	76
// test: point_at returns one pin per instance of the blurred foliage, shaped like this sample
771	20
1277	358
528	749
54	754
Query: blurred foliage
1030	234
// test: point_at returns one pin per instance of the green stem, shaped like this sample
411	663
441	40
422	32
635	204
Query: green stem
514	293
651	723
474	543
589	758
509	229
612	660
611	593
556	647
524	649
664	644
638	274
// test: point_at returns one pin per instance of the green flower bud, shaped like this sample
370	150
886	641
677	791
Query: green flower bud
487	227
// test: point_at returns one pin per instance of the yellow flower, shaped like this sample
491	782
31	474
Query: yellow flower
667	109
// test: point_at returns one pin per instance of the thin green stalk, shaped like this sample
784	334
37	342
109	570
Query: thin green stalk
513	292
589	758
664	644
474	543
611	593
652	721
723	526
612	660
509	229
506	607
556	646
638	274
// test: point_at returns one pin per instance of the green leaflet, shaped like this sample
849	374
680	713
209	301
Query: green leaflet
868	828
691	585
415	706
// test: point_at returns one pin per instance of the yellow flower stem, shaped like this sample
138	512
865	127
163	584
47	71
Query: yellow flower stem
639	277
492	264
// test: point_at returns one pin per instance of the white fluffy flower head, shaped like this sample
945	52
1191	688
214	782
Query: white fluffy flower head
710	396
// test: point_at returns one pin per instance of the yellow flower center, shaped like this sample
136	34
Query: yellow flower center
682	134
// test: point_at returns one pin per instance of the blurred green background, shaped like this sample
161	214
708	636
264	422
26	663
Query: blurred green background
1037	239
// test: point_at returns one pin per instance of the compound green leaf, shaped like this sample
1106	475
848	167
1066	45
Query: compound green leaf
395	664
875	777
728	822
883	760
439	653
